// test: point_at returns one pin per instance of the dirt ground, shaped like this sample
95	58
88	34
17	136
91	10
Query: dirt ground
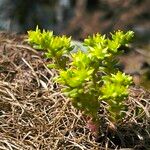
35	115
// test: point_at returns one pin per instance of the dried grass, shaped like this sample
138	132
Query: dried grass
35	115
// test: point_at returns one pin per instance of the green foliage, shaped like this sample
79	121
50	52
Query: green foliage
40	40
89	77
55	46
114	91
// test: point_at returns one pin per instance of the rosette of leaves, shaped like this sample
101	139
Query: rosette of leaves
114	92
78	81
55	47
40	39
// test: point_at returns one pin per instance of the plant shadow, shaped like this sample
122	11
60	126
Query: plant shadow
128	135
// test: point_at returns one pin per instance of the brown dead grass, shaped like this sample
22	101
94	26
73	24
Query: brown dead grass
35	115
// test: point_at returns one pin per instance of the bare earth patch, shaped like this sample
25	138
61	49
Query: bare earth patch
35	115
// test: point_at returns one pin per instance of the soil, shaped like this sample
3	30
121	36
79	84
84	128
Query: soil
35	115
